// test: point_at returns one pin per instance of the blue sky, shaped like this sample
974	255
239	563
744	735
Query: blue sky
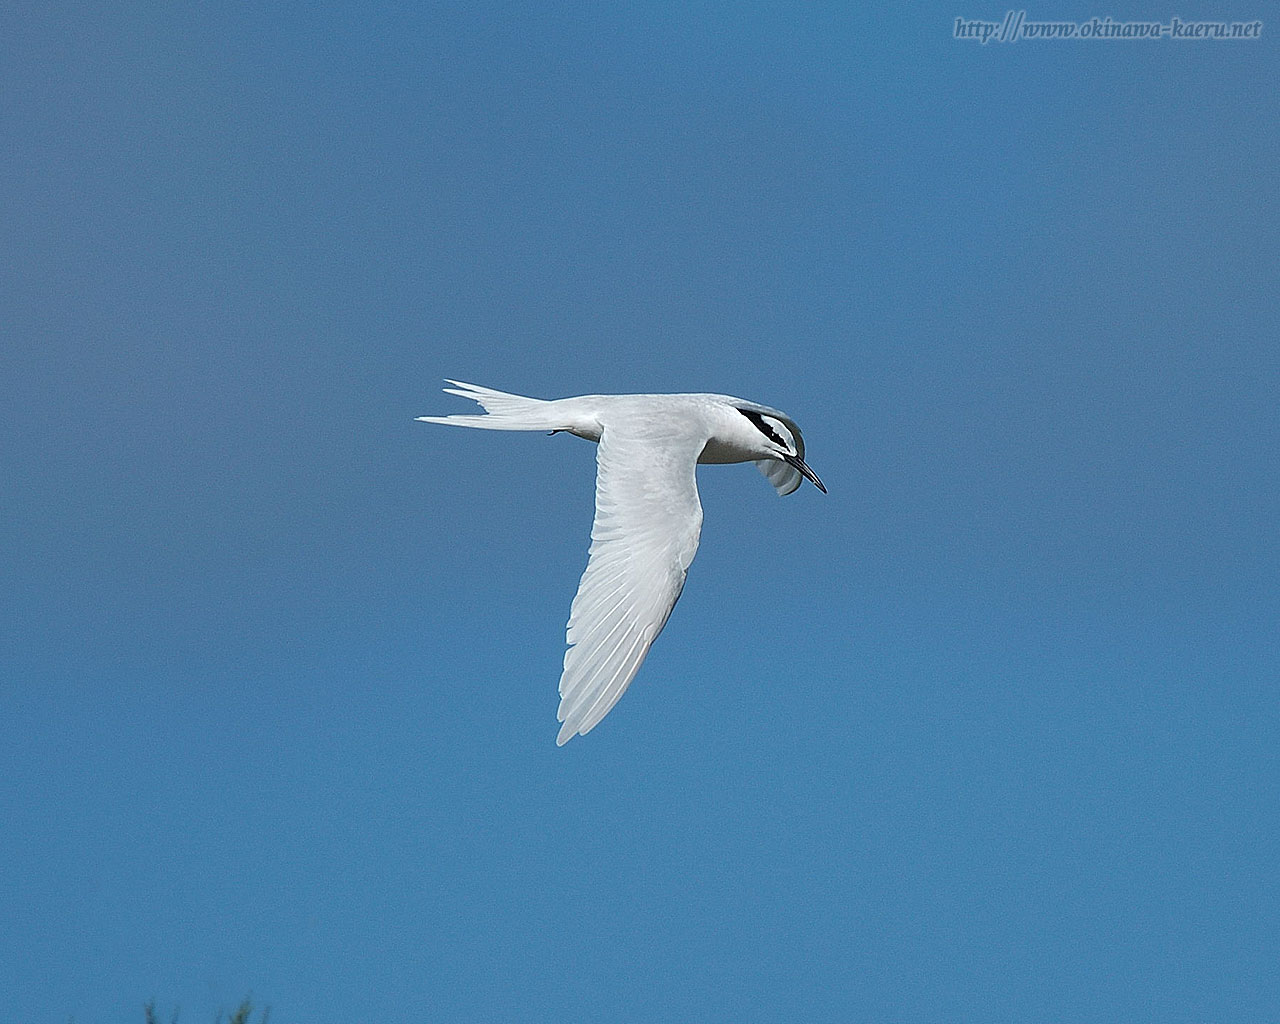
987	733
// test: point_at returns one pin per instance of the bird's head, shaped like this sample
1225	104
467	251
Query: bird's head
781	449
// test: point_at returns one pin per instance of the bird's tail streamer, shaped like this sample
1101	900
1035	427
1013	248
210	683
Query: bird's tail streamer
504	411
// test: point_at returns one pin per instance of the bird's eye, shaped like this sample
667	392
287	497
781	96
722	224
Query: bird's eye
773	429
768	426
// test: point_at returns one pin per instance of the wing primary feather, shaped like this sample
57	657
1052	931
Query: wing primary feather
621	680
577	677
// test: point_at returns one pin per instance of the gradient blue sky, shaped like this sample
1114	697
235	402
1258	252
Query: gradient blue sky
989	733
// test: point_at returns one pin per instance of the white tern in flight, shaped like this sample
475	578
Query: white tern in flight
648	517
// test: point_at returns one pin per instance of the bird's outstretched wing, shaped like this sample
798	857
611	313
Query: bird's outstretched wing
647	524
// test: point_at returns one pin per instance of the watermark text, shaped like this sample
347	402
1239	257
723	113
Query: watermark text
1015	27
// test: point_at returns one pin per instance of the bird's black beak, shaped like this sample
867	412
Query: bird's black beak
798	463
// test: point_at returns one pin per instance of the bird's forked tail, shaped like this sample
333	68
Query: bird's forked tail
504	411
